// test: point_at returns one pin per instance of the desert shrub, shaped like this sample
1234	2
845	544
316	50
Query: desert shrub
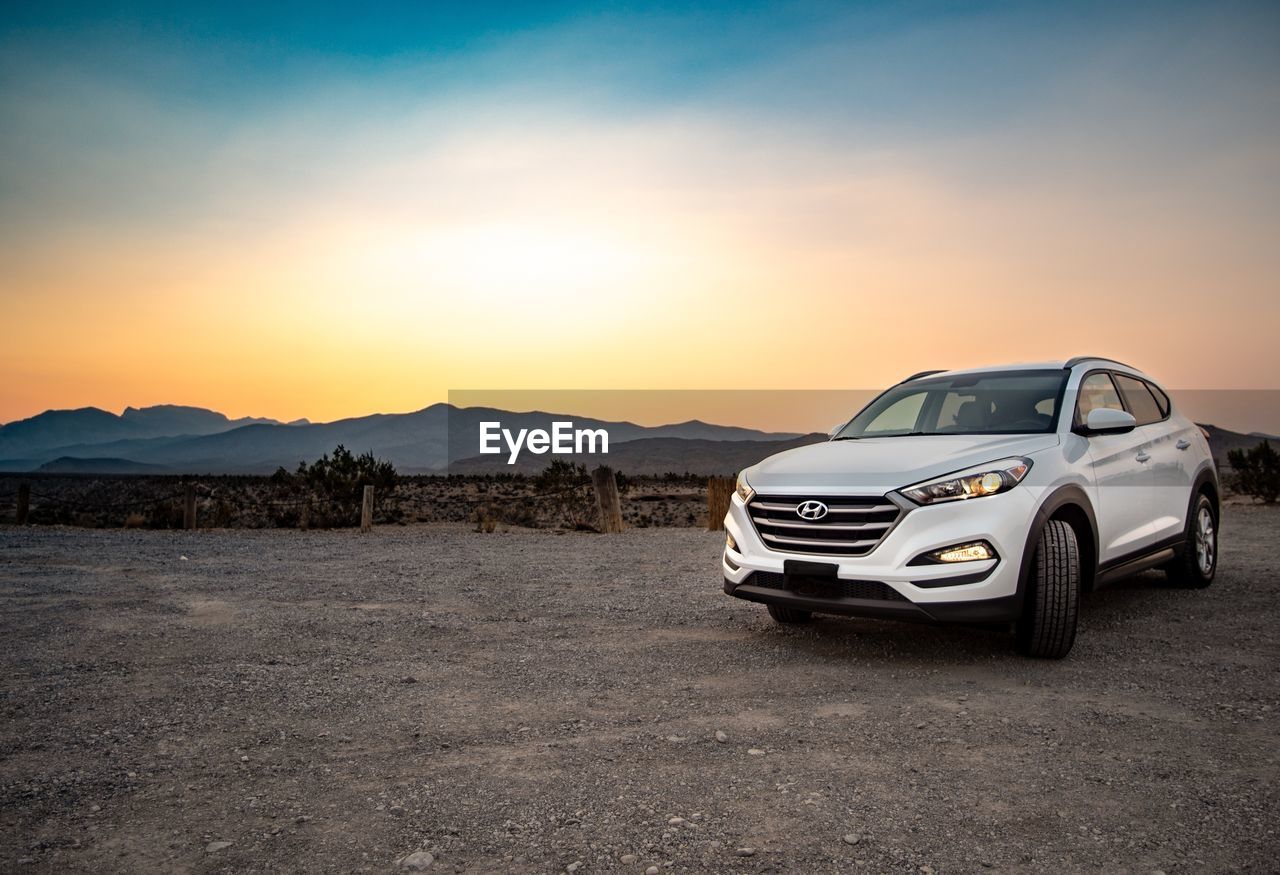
484	520
135	521
165	514
563	483
1256	471
337	485
223	513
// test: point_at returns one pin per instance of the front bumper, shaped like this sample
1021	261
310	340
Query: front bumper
975	592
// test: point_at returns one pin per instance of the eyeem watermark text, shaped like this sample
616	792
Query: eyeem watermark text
563	438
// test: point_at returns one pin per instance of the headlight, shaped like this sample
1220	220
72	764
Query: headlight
983	480
745	492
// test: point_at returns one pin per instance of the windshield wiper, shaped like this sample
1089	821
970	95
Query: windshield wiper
845	437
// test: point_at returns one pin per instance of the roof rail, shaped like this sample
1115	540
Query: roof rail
1080	359
924	374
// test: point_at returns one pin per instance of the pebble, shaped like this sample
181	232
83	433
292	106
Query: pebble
755	752
628	859
214	847
652	870
574	866
418	861
676	821
852	838
746	852
722	736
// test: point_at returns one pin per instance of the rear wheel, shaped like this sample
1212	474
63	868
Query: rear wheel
1197	561
1047	628
789	616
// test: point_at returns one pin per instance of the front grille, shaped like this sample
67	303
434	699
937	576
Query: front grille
853	526
871	590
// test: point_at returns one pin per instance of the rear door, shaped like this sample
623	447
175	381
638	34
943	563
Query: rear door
1122	477
1171	463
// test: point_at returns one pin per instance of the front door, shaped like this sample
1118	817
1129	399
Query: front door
1121	474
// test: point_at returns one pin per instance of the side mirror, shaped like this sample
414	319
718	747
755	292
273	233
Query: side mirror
1107	420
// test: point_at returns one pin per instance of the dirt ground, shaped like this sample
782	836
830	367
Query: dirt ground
279	700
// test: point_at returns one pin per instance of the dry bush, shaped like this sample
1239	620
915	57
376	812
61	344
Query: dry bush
484	520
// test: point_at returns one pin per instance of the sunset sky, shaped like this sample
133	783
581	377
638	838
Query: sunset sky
333	210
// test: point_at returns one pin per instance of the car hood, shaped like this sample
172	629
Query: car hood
877	465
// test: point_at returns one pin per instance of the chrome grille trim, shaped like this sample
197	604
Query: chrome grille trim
837	527
853	525
791	507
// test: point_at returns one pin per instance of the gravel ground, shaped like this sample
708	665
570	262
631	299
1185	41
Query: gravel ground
532	702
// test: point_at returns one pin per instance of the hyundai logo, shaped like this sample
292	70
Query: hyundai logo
811	510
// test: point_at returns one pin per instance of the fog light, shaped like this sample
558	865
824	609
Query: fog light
729	543
974	552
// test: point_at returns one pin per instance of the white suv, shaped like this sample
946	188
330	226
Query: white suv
993	495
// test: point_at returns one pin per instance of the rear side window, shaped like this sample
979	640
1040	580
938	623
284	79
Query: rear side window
1138	398
1161	398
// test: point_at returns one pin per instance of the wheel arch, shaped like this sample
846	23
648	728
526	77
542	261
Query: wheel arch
1206	481
1071	504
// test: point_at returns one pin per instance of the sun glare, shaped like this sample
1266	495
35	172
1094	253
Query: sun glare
506	264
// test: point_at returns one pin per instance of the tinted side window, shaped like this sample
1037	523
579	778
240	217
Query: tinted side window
1161	398
1141	403
1096	390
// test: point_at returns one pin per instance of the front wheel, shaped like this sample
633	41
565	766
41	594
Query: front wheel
1047	628
1197	560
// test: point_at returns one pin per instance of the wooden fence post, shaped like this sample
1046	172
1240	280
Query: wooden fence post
607	497
304	519
24	502
719	494
189	507
366	510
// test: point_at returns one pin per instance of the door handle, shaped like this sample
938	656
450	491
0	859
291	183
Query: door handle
1143	455
1182	443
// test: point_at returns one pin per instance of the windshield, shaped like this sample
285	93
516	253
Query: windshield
998	402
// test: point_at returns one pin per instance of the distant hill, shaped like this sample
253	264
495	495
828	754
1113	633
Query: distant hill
70	465
1222	441
423	441
40	435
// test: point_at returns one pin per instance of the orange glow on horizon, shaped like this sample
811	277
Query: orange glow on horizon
669	252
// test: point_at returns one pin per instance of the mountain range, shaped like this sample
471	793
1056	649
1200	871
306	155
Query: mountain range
190	440
174	439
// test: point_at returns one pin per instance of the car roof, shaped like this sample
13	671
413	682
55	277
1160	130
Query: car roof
1055	365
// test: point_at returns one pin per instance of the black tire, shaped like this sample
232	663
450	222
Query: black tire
1190	568
789	616
1047	628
